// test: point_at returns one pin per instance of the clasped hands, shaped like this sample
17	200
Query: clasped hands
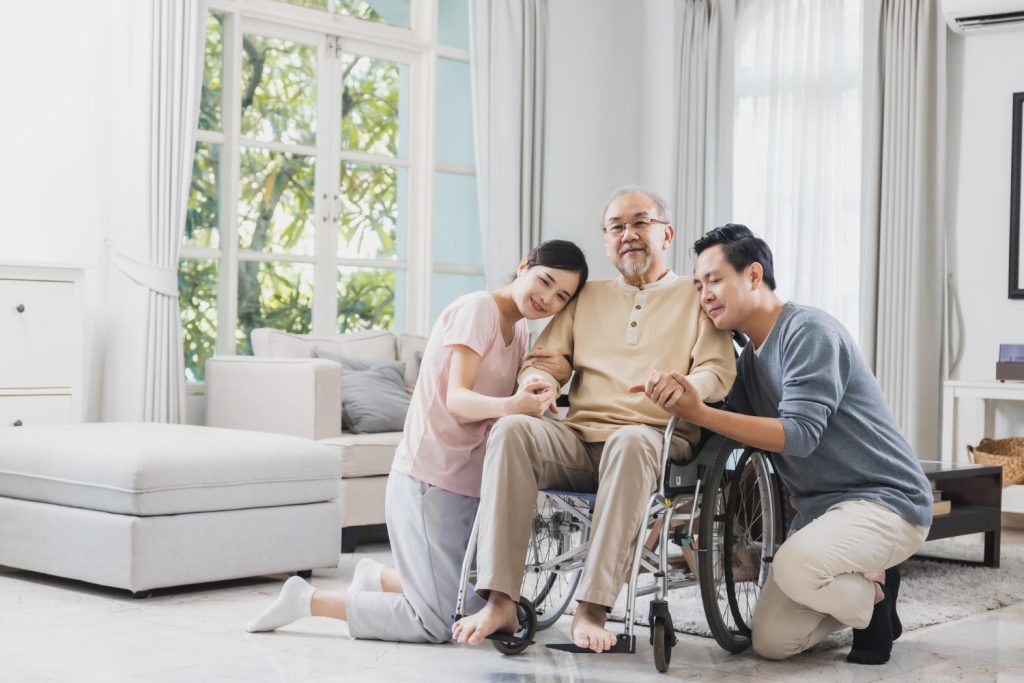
672	392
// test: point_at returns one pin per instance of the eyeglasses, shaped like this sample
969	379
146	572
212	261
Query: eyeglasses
638	225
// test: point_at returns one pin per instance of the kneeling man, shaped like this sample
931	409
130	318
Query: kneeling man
863	502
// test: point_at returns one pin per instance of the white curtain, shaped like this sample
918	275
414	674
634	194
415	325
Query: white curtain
508	39
143	365
698	40
904	175
796	145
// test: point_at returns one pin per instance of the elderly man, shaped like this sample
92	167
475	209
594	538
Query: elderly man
613	334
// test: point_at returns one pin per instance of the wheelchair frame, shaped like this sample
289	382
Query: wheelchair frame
704	486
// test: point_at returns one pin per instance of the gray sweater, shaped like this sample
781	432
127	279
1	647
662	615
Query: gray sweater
842	442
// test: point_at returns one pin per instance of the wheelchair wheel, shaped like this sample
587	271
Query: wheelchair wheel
741	523
662	645
527	630
555	531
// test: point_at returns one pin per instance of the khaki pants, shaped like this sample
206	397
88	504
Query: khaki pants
525	454
816	585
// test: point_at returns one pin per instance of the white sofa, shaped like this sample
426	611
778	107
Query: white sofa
284	389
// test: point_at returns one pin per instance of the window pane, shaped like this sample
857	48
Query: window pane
276	202
203	216
453	23
374	106
278	295
278	90
456	220
454	113
373	211
197	297
213	73
447	287
370	299
394	12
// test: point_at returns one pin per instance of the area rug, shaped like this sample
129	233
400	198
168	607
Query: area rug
931	592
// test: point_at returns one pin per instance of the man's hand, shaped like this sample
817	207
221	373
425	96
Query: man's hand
672	392
551	362
533	398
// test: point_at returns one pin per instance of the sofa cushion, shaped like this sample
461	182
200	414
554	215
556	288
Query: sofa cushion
410	352
368	346
146	469
373	396
365	455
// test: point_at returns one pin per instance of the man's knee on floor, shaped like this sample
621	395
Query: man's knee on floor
769	646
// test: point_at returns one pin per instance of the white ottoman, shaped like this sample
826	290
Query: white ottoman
143	506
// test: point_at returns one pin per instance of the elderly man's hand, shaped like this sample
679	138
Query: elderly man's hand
551	362
672	392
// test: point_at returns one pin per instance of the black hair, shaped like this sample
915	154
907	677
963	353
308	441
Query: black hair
560	254
741	248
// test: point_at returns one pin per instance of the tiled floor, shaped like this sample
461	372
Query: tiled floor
51	629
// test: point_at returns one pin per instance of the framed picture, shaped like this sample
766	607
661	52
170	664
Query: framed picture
1016	290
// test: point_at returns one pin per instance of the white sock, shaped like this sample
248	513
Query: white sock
291	604
366	577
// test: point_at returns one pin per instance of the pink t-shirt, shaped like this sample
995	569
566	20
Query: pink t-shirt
437	447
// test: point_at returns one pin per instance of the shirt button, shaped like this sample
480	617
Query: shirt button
638	307
633	324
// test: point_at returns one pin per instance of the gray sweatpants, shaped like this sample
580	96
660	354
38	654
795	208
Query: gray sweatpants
429	531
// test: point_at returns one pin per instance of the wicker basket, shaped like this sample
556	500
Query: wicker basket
1006	452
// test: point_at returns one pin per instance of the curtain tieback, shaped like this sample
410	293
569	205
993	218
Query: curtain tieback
156	278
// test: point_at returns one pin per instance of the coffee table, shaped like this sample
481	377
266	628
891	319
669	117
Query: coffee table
976	494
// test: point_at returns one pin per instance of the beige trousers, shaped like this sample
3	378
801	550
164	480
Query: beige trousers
525	454
816	585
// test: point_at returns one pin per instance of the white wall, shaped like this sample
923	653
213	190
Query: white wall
608	113
54	177
984	71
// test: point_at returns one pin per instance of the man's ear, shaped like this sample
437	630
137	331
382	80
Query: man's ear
756	274
670	233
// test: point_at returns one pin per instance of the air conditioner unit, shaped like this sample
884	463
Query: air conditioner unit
971	16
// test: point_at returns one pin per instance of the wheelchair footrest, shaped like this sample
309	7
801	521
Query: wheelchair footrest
508	639
623	645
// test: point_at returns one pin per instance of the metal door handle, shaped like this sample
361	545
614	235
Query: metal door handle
20	308
17	423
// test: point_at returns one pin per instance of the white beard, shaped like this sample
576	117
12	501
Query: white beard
635	268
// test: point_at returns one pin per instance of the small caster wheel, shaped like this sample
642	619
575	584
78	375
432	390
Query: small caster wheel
523	638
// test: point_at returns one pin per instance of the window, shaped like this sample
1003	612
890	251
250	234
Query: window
333	186
796	159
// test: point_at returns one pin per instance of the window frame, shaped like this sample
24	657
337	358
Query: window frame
418	47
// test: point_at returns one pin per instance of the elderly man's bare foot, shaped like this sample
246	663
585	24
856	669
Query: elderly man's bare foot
499	614
588	628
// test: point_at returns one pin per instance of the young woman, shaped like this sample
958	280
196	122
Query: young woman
467	379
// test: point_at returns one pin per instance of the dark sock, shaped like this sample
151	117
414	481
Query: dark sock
872	645
892	591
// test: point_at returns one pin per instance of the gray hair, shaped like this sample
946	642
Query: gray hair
659	203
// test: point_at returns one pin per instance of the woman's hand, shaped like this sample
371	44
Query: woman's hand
551	362
532	398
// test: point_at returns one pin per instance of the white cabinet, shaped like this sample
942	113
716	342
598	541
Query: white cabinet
41	344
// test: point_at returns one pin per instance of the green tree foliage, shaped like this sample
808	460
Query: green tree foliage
276	194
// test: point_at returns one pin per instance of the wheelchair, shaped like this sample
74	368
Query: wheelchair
724	511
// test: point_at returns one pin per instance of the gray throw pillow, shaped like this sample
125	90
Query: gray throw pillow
373	396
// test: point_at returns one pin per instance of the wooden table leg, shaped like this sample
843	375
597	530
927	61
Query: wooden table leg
992	548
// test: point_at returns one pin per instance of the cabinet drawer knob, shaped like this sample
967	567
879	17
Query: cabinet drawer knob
17	423
20	308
